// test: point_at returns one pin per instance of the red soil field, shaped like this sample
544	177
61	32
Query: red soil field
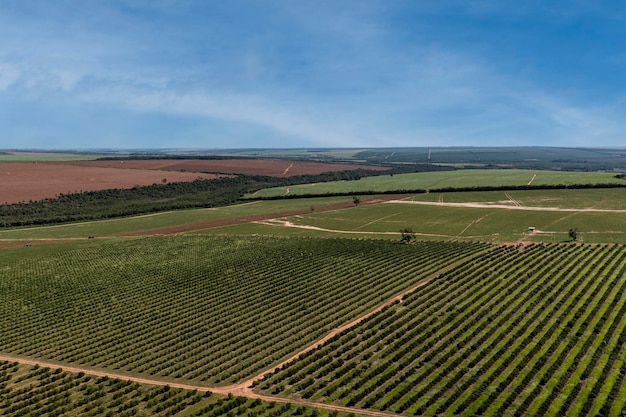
21	182
271	167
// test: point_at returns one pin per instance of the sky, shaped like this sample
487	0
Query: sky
303	74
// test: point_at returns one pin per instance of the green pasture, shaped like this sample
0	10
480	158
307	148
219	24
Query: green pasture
383	221
113	227
433	222
607	198
445	179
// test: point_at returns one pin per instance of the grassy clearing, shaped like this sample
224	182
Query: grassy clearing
537	331
430	180
611	198
211	310
158	220
383	221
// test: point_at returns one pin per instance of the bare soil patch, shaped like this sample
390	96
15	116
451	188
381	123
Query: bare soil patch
271	167
21	181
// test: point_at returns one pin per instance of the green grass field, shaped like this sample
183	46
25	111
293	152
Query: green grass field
127	225
445	179
383	221
608	198
434	222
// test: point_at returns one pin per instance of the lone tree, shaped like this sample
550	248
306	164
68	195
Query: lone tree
407	235
573	234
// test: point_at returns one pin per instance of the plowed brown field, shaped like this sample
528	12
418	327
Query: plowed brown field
272	167
24	181
21	182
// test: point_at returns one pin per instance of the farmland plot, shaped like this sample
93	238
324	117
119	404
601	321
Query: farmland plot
213	310
35	391
538	331
441	180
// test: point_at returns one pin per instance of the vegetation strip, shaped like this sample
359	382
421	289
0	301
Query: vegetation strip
514	332
242	389
198	302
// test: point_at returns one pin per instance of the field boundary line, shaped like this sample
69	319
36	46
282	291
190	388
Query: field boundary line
287	223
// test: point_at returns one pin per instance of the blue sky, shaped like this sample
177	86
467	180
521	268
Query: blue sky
295	73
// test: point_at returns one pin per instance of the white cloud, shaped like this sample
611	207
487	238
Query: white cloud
9	75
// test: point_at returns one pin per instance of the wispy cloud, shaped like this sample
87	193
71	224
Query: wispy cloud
325	74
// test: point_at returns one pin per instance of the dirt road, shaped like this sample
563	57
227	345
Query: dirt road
516	206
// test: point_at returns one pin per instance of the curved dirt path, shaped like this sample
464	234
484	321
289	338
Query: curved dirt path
286	223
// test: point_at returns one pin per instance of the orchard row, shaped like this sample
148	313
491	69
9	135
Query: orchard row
534	331
208	309
37	391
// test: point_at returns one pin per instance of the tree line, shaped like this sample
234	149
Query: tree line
444	190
